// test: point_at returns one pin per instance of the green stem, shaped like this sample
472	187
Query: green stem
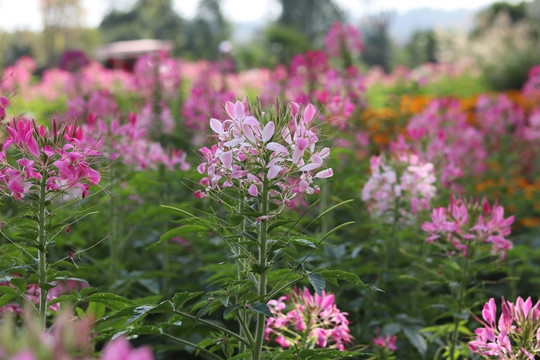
263	263
215	326
42	252
195	346
240	267
461	299
113	242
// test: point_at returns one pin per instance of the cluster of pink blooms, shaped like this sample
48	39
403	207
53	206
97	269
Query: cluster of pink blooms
29	153
341	38
400	187
17	78
204	99
33	292
247	153
386	343
532	86
99	102
515	335
440	134
130	142
311	80
302	313
4	102
470	222
157	72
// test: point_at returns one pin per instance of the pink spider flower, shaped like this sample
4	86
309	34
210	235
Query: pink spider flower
314	318
343	38
470	223
62	156
403	186
515	335
388	342
250	152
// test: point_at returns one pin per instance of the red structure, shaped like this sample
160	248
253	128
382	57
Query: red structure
123	54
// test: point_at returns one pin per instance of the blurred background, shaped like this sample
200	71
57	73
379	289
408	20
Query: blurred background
501	37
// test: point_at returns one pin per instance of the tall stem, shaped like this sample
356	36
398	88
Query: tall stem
263	239
461	299
113	242
42	252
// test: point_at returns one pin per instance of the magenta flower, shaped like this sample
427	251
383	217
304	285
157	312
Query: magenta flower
343	38
315	320
516	334
249	152
120	349
388	342
404	181
63	157
466	222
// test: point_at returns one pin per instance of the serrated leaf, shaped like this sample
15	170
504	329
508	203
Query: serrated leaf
306	243
139	312
230	309
202	311
317	281
261	308
19	283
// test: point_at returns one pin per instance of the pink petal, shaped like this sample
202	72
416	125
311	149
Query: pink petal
325	174
268	131
216	125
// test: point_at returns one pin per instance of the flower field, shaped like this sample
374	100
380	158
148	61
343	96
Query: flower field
316	210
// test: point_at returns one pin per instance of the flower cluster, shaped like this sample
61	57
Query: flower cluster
313	319
464	224
61	157
157	72
387	343
516	334
33	291
250	152
343	38
398	189
68	339
4	102
130	142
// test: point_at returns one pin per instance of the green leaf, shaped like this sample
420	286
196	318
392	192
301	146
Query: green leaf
261	308
8	290
46	286
416	340
179	299
230	309
71	298
306	243
19	283
183	230
139	312
109	299
317	281
87	291
201	312
7	298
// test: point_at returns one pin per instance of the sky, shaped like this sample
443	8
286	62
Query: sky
25	14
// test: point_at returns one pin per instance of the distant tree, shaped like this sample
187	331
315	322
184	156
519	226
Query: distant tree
154	19
486	18
421	48
285	42
312	17
377	42
207	30
61	24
